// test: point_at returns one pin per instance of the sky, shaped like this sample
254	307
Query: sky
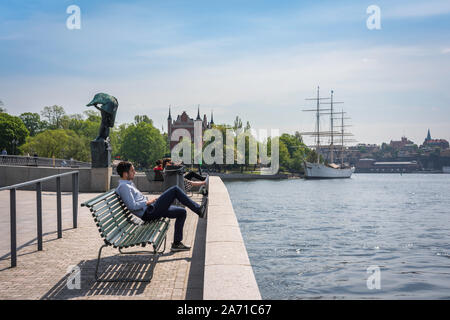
256	59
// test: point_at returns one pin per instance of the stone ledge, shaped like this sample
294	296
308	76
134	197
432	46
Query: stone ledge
228	272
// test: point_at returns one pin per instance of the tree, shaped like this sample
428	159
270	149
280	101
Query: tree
1	107
116	137
284	158
54	115
63	144
142	143
296	150
33	122
12	133
237	124
144	118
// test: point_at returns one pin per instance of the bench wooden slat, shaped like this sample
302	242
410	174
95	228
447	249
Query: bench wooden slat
128	232
136	234
115	222
150	230
106	216
98	212
97	199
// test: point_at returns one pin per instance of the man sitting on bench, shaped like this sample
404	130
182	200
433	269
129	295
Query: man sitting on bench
159	207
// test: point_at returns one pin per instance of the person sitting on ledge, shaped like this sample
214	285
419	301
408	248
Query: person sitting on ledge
161	206
189	175
159	166
188	182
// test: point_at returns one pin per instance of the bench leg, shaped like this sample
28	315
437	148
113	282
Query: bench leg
98	279
160	252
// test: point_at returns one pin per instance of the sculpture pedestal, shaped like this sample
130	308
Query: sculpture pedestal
101	154
101	166
101	179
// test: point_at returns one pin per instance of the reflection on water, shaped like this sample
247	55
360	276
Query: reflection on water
316	239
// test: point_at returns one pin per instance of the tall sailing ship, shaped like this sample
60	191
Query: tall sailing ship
330	170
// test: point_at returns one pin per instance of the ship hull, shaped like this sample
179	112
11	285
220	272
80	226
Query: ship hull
320	171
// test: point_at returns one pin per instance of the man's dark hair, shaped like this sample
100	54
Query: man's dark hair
123	166
158	162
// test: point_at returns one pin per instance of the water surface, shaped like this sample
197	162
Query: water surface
316	239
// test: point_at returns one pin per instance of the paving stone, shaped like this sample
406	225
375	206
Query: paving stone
45	274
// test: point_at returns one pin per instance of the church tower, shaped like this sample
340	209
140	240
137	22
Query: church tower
169	125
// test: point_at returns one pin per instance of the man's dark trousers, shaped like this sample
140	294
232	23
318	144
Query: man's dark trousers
192	174
163	208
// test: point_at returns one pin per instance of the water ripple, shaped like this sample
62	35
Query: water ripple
317	239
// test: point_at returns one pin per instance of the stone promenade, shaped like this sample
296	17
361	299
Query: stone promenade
45	274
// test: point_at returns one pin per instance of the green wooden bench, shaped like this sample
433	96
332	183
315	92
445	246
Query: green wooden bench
121	229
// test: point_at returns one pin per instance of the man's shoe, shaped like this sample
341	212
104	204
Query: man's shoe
179	247
203	190
203	207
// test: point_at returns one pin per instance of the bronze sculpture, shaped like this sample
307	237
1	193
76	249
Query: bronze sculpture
108	110
100	147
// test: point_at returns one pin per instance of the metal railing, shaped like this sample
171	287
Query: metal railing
38	182
12	160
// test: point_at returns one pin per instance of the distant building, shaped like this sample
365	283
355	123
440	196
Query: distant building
373	166
433	143
183	121
401	144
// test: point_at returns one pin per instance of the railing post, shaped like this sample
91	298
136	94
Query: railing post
58	207
12	222
75	188
39	214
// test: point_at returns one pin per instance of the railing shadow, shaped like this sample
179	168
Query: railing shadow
26	247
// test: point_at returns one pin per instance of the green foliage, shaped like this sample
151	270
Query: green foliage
293	152
11	128
116	138
237	123
32	122
311	156
142	144
143	118
61	143
54	115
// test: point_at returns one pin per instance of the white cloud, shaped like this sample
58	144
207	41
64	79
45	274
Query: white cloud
268	89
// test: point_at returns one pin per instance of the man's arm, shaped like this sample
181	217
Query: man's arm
152	201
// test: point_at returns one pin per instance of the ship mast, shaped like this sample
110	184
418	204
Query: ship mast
317	133
342	137
332	132
318	124
331	129
343	134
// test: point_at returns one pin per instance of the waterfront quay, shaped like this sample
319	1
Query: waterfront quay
216	267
